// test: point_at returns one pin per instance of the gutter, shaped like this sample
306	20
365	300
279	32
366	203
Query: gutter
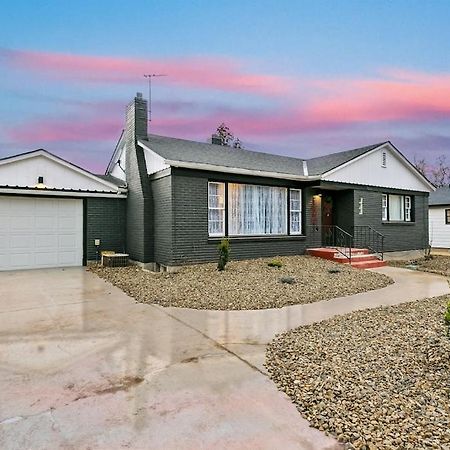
239	171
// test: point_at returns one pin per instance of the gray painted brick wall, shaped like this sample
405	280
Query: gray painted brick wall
163	230
105	220
191	243
139	203
398	236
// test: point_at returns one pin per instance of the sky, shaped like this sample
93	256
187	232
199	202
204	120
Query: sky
297	78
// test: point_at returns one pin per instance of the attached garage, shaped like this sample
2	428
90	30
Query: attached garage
40	232
52	213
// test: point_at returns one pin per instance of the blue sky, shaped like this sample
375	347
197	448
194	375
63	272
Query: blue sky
299	78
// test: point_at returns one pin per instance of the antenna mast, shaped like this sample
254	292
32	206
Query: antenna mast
149	77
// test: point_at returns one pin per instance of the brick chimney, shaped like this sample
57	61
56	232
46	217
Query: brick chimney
136	119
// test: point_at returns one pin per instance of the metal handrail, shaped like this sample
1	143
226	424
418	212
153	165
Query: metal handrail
337	238
367	237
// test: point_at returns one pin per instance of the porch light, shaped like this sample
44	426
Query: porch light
40	184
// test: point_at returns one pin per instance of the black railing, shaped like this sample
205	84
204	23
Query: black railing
364	236
334	237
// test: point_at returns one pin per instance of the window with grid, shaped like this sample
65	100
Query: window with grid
396	208
447	216
295	211
216	208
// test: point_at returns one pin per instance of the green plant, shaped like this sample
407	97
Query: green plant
275	263
224	253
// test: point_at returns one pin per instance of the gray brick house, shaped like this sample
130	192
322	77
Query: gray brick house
185	196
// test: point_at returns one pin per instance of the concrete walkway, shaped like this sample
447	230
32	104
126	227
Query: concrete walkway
84	366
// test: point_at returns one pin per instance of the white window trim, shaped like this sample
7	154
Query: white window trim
406	205
384	208
217	208
295	233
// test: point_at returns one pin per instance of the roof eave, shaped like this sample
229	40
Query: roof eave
238	171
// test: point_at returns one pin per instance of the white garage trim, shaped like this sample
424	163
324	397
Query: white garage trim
40	232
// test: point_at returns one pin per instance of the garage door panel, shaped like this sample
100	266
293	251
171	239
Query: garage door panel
40	232
49	241
46	259
45	223
21	242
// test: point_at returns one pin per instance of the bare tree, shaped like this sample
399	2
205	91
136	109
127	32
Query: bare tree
226	137
421	165
224	133
441	172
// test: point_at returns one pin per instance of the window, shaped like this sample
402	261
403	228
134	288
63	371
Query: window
396	208
407	208
361	206
295	211
216	209
256	210
447	216
383	159
384	207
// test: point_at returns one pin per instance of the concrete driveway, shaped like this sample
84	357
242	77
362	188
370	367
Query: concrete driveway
82	366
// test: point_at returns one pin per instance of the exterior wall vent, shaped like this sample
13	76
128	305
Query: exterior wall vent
384	159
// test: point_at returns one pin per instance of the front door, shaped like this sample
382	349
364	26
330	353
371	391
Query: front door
327	219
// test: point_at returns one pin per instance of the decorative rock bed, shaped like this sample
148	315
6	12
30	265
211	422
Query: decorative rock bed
374	379
248	284
436	264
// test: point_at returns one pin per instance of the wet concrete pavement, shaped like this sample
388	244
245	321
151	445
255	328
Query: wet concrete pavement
84	366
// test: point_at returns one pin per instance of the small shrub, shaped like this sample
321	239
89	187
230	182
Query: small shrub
224	253
275	263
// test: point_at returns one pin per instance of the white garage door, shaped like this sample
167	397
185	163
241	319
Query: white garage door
38	232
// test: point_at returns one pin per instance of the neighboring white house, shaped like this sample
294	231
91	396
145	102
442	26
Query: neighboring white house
439	218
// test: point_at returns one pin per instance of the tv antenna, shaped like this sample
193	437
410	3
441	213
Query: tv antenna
149	77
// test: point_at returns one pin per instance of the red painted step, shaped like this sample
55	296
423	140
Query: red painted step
360	257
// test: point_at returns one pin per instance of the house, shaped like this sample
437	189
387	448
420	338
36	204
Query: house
184	196
439	218
168	202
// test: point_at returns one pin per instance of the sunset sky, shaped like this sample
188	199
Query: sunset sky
299	78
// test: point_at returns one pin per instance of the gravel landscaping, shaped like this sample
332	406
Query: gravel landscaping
435	264
250	284
374	379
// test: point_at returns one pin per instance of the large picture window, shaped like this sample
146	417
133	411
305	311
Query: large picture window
256	210
396	208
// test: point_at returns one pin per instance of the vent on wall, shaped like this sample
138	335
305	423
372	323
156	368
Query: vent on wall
383	159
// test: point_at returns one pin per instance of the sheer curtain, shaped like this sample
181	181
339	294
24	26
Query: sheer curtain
256	210
396	211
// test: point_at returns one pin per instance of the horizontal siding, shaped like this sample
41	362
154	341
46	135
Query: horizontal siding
105	220
439	230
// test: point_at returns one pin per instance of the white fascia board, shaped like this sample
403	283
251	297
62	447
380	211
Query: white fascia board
46	193
239	171
397	154
62	162
115	154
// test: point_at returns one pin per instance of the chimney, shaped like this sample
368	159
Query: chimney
216	139
136	119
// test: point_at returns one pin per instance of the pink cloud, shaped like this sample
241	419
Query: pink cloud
206	73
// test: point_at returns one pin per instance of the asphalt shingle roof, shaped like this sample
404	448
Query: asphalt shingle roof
440	196
204	153
322	164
